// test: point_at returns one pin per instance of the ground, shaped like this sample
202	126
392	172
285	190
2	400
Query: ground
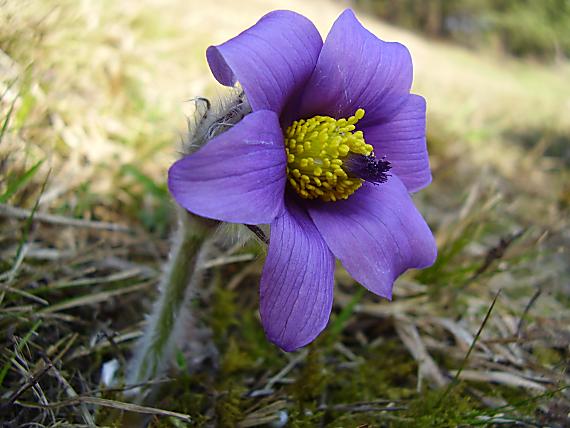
94	102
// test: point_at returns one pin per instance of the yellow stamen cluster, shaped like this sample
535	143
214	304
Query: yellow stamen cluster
316	148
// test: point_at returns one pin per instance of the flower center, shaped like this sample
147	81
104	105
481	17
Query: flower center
325	157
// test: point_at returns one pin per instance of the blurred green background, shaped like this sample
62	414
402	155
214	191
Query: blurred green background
524	28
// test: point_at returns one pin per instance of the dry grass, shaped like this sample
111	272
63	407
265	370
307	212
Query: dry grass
93	96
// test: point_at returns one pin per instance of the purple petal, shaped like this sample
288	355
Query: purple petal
377	233
271	60
238	176
296	290
403	141
358	70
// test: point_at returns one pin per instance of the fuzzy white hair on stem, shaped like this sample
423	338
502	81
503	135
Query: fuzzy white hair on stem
212	118
182	276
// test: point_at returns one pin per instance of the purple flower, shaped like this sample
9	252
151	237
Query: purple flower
328	156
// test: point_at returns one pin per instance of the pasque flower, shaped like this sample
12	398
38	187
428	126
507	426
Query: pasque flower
333	147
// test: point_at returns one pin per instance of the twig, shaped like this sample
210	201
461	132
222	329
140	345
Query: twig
496	253
259	233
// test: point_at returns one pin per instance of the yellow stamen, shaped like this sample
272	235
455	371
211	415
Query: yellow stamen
316	149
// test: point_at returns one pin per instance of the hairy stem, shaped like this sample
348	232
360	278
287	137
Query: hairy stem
155	348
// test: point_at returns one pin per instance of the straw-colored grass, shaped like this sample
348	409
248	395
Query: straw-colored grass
93	103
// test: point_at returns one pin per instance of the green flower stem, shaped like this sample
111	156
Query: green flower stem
155	349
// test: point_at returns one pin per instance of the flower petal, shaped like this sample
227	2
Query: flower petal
357	70
377	233
272	60
296	291
403	141
238	176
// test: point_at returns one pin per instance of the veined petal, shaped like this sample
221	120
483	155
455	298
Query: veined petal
272	60
296	290
377	234
357	70
237	177
403	141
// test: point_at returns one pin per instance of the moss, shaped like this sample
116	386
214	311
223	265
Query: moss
548	357
108	416
312	379
305	418
370	420
188	394
517	399
228	408
238	332
388	372
253	341
429	410
234	359
223	313
231	322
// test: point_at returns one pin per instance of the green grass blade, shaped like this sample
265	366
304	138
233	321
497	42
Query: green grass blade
148	183
337	326
6	121
19	182
19	346
29	221
455	380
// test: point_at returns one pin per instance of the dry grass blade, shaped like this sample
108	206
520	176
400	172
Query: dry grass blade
24	294
266	415
122	338
268	388
115	277
21	214
87	418
29	384
221	261
411	338
128	407
502	378
19	346
91	299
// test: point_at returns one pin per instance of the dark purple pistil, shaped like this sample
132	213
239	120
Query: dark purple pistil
368	168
